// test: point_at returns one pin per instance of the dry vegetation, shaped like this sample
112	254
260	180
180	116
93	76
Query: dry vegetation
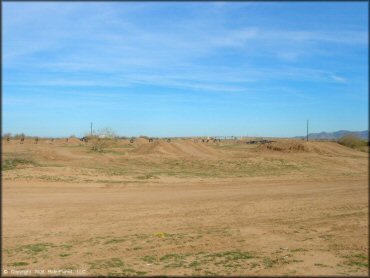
113	207
354	143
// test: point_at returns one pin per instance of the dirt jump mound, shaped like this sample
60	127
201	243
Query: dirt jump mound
175	148
286	147
317	147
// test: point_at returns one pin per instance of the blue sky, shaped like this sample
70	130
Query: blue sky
184	69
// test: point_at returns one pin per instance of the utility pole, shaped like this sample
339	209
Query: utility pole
91	129
307	131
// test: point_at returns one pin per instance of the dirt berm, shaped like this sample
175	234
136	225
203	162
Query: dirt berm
176	148
317	147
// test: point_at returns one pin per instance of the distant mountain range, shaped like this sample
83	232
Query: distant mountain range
337	135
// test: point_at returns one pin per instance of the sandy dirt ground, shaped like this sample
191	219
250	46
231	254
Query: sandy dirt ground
184	208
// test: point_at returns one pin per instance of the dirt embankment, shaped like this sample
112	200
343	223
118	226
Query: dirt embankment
176	148
294	146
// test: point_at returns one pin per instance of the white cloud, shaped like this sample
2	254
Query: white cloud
85	40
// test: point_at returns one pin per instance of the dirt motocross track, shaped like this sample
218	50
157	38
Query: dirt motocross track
184	208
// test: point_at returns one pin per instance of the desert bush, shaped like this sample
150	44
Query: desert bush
353	142
107	133
102	139
98	145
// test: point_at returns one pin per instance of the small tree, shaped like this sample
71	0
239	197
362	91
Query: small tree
101	139
19	135
106	133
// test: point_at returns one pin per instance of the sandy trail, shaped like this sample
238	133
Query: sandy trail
307	218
